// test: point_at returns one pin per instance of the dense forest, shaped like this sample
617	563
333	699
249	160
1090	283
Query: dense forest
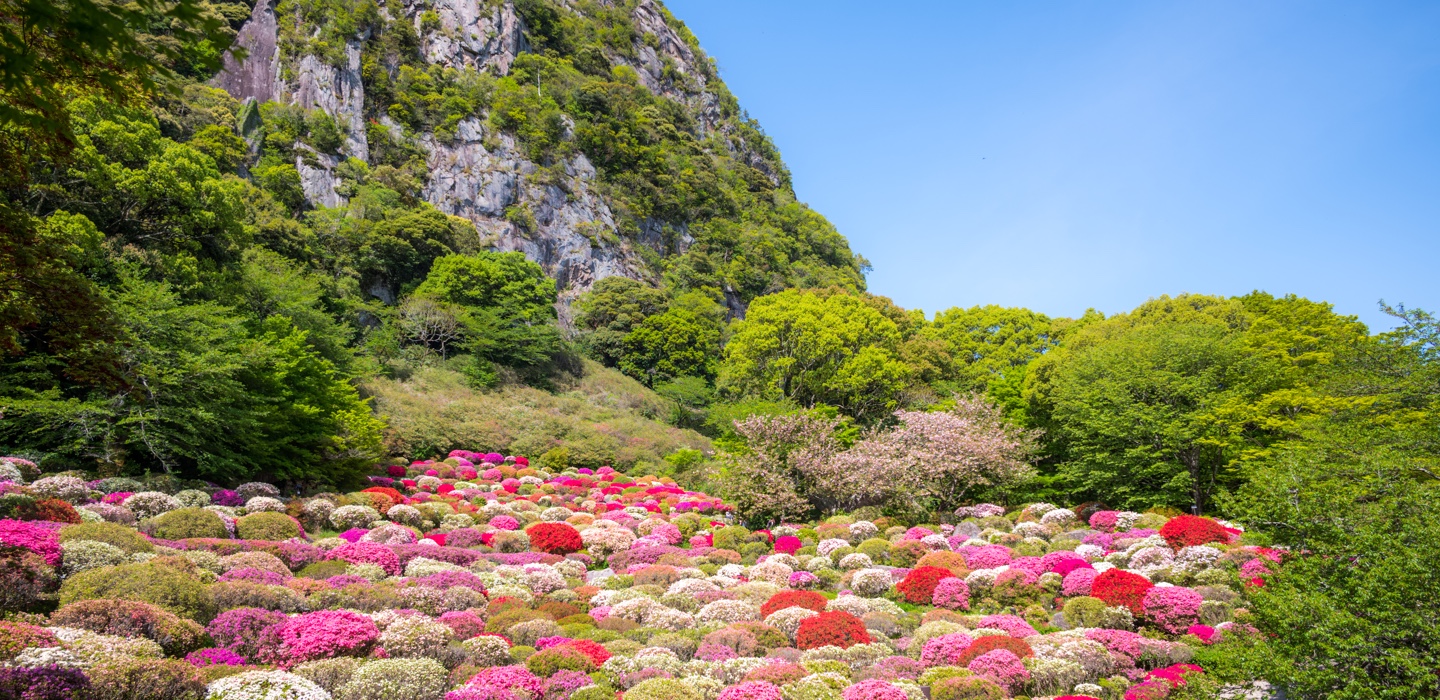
175	299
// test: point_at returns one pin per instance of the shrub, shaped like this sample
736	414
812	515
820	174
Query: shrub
951	594
751	690
148	504
388	679
873	690
26	580
918	586
662	689
168	582
43	683
127	539
946	649
242	630
966	688
188	523
1117	587
834	628
84	555
1172	608
319	635
985	645
152	679
266	685
548	662
245	594
810	600
368	553
267	526
1191	530
415	637
128	618
18	636
32	537
322	570
329	674
555	538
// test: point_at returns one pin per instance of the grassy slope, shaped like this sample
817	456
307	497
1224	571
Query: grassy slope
602	418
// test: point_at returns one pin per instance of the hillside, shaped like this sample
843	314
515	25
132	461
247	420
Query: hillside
594	137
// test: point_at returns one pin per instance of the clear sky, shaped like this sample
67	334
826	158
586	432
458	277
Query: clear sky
1065	155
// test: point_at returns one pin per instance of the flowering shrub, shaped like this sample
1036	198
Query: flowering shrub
918	586
1191	530
808	600
389	679
127	618
368	553
266	685
1001	666
985	645
43	683
319	635
555	538
873	690
952	594
834	628
31	536
242	629
214	656
946	649
1117	587
1172	608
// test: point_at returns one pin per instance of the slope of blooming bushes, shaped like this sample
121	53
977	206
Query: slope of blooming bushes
478	577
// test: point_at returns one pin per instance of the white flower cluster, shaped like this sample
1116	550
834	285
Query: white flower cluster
265	685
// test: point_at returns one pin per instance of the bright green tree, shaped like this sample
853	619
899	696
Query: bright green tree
814	348
612	308
682	341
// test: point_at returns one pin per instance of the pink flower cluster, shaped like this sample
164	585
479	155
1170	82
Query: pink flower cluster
36	538
1172	608
368	553
322	635
1078	582
987	556
945	650
952	594
1105	520
751	690
1013	625
1003	667
873	690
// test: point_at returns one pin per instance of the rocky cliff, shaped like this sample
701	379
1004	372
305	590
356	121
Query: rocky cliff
560	211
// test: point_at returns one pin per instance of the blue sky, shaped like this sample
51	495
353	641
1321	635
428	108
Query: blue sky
1067	155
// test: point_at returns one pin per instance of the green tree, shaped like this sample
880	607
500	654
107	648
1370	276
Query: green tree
612	308
1165	405
992	343
682	341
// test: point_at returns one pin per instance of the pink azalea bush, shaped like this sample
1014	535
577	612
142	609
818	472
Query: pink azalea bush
1172	608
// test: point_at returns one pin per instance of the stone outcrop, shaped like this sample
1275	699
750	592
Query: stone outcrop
557	219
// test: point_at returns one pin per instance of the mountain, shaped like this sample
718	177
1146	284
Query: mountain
594	136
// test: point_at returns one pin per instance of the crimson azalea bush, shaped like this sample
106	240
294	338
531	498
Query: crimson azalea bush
836	628
919	585
1121	588
1192	530
555	538
809	600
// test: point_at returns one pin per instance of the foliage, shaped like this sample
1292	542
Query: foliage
164	582
188	522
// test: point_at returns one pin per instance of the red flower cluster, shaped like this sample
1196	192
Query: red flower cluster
555	538
810	600
919	585
836	628
1192	530
597	654
1117	587
985	645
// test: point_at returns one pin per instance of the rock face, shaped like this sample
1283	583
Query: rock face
257	76
559	220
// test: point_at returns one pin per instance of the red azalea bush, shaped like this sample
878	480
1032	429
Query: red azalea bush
810	600
1117	587
836	628
985	645
919	585
56	510
555	538
1191	530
